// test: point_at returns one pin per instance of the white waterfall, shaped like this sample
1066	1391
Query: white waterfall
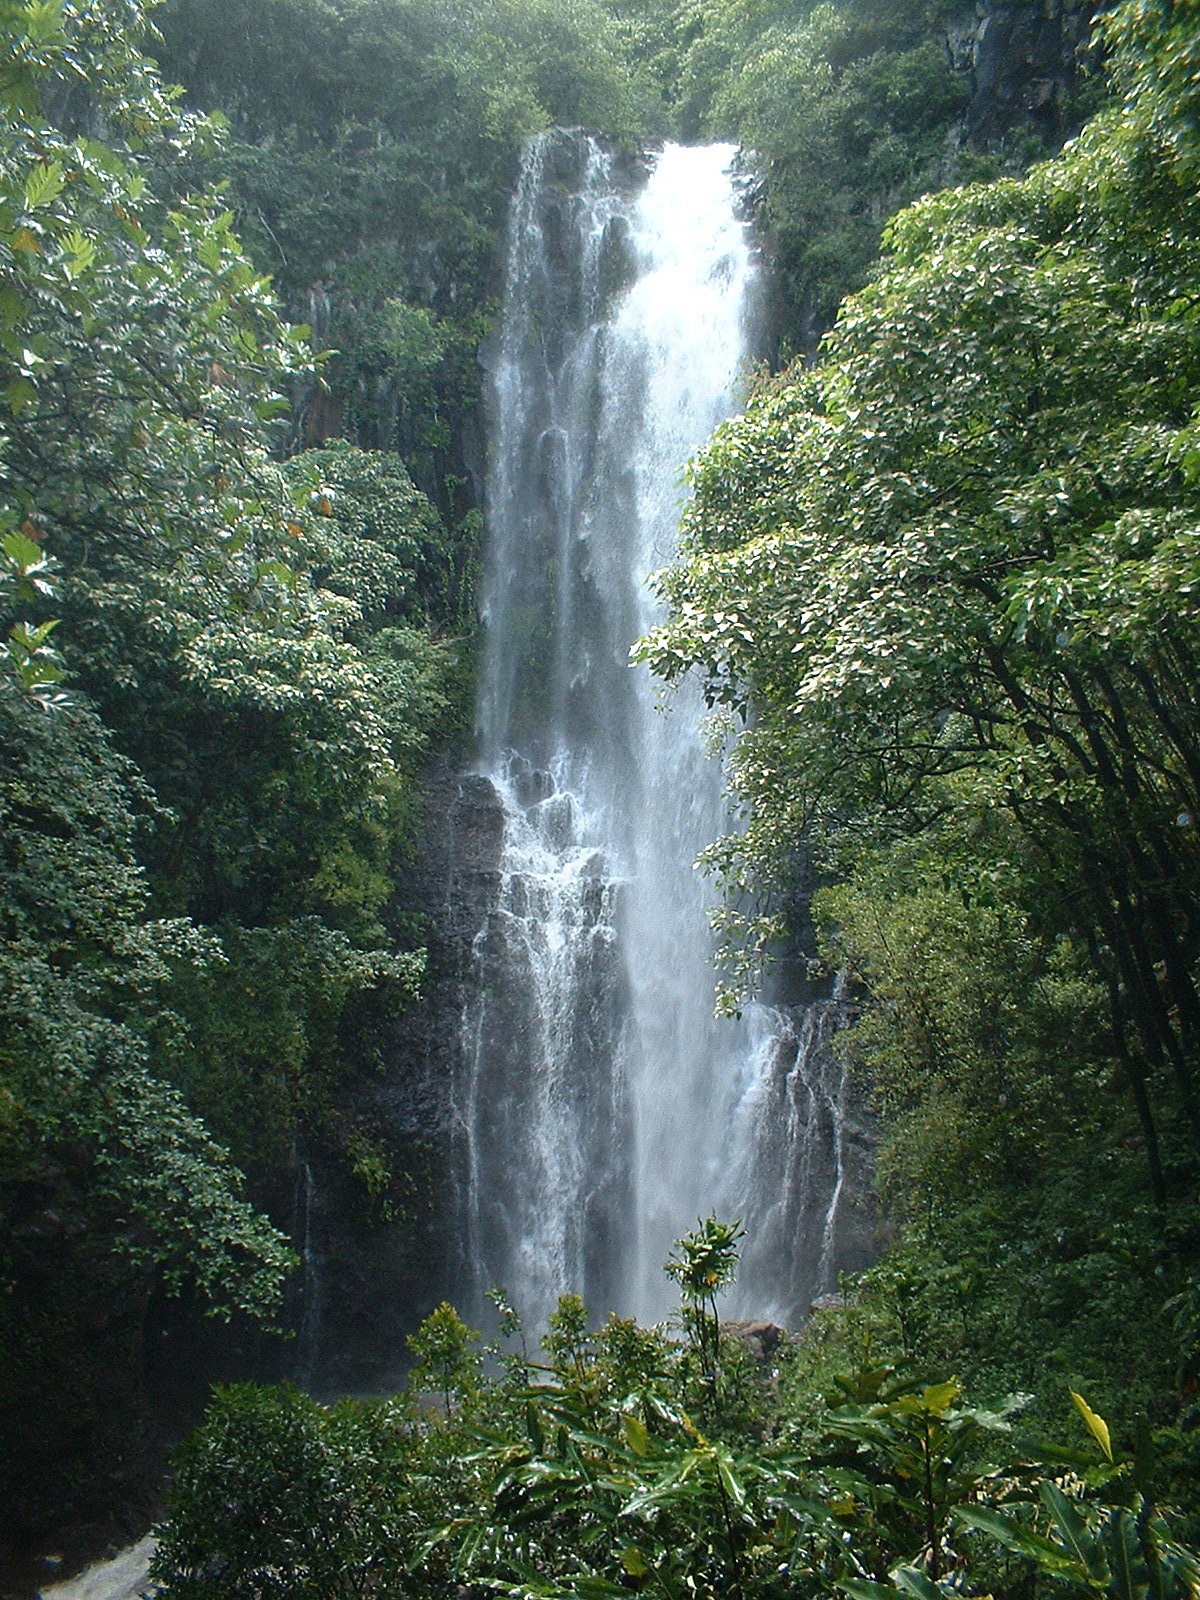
602	1108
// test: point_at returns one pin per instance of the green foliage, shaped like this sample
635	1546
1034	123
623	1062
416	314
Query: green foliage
276	1494
942	581
568	1343
597	1482
847	111
1101	1533
108	1182
24	570
222	677
370	167
446	1358
92	303
1156	54
703	1263
919	1455
983	1032
256	1032
942	571
378	543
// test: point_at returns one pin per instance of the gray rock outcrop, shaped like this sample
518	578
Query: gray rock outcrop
1024	62
371	1276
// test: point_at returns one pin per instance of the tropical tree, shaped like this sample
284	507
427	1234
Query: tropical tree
949	570
703	1263
205	779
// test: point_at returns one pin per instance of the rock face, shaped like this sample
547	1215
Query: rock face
809	1211
369	1279
1024	62
762	1339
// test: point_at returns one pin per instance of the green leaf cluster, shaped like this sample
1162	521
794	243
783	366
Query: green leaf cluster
849	111
945	578
222	677
601	1479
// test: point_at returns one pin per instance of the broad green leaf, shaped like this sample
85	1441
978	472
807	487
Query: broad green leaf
634	1562
637	1435
591	1587
912	1581
533	1426
1076	1535
33	638
18	394
24	553
269	410
1129	1575
939	1397
80	251
729	1478
1182	1565
1096	1425
277	570
1020	1540
12	307
42	20
44	184
469	1548
36	675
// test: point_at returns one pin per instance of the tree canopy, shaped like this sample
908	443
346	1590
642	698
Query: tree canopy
222	674
949	574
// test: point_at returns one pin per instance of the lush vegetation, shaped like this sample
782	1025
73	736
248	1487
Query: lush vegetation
372	150
945	581
371	154
222	676
633	1461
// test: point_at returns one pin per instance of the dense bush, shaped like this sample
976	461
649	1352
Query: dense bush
623	1469
222	679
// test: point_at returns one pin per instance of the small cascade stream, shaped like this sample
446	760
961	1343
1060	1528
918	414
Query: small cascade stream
601	1108
311	1277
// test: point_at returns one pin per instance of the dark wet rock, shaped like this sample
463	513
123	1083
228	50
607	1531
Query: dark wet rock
372	1273
762	1339
1024	62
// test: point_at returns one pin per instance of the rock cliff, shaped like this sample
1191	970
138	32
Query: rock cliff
1025	63
371	1274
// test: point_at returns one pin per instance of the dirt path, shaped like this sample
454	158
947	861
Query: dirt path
125	1577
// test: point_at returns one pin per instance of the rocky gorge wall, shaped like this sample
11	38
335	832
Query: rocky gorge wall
370	1277
376	1279
1025	64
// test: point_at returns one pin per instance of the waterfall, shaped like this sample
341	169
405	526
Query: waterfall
311	1283
601	1107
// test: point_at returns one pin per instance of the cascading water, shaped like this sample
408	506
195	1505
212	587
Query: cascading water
602	1108
311	1286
